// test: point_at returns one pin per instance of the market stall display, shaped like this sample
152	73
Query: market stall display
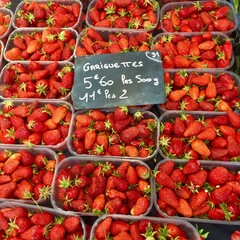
100	164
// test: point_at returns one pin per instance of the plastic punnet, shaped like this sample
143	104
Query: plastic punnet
75	160
3	85
177	5
200	116
35	209
90	24
62	2
10	45
146	114
105	35
215	72
219	36
40	103
6	12
192	233
48	153
207	165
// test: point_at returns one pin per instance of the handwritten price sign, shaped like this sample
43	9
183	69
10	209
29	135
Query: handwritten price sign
110	80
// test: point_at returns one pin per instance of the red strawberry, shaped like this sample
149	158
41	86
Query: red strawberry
234	118
15	212
199	146
120	113
51	137
57	232
184	208
233	146
90	138
179	127
21	111
164	179
22	132
7	189
118	226
41	218
175	231
3	222
167	167
13	54
71	223
218	175
168	196
141	206
134	231
198	178
103	228
192	166
197	200
113	206
37	231
221	194
129	134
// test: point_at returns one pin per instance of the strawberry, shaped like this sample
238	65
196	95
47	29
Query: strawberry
41	218
140	206
184	208
57	232
21	111
221	194
51	137
103	228
36	230
198	178
7	189
90	137
113	206
164	179
218	175
192	129
235	235
13	54
22	132
234	118
200	147
233	146
192	166
120	113
179	127
168	196
119	226
3	222
98	203
129	134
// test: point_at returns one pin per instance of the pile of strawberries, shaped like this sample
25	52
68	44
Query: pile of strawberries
37	80
114	133
147	228
124	14
102	187
5	20
49	44
27	222
26	175
201	91
200	190
93	42
203	50
47	14
34	123
199	136
5	3
208	16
